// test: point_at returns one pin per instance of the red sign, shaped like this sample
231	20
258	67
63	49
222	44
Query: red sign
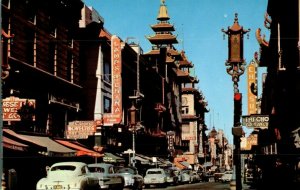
116	61
80	129
11	105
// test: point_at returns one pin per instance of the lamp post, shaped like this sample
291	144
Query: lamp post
98	135
235	68
132	123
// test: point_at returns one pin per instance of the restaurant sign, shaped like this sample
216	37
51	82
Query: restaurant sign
255	121
11	105
80	129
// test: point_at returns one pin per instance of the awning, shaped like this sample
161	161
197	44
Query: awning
81	150
109	157
14	145
52	148
142	160
31	146
186	164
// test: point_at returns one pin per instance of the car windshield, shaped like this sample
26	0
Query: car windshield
63	167
154	172
126	170
96	169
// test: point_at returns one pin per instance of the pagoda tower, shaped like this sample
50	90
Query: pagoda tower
166	78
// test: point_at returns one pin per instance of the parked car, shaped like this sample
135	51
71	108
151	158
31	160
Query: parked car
185	176
218	175
131	177
155	176
226	177
172	176
195	178
68	175
107	176
203	176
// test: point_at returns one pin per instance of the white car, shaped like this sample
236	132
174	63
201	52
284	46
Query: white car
185	177
68	175
226	177
107	176
155	176
132	179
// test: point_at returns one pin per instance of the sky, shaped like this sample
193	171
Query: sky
198	25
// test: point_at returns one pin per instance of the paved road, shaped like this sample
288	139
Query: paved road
196	186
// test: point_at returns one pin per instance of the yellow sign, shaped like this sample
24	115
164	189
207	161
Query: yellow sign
252	87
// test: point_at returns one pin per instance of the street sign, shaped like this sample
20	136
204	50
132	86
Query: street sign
256	121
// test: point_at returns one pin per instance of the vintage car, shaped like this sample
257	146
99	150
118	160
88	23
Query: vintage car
68	175
132	179
172	176
107	176
155	176
185	176
227	176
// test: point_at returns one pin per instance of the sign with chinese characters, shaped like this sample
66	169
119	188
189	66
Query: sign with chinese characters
11	105
255	121
171	139
252	87
80	129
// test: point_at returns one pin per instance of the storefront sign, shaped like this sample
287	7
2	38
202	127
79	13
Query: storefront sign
252	87
116	64
255	121
80	129
11	105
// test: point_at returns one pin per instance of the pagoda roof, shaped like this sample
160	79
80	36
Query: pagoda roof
184	76
190	79
184	62
172	52
181	73
163	39
163	26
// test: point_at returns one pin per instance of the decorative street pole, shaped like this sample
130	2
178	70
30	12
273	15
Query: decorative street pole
132	123
235	68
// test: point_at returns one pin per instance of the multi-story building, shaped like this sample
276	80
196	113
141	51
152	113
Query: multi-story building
277	144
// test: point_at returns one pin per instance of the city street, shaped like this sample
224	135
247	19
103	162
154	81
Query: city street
201	185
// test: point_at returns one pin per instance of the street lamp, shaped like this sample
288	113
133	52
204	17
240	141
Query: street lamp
235	68
132	123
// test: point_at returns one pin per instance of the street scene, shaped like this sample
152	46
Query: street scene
150	94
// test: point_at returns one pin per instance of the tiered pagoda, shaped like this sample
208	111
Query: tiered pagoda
164	62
